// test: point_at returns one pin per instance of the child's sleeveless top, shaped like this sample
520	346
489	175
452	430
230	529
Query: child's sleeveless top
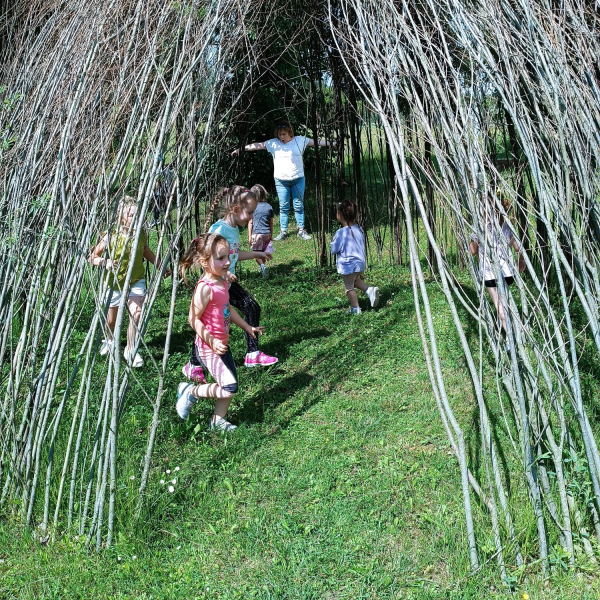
119	251
216	316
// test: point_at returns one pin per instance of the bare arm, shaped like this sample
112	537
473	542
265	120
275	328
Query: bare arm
250	148
96	259
149	255
151	258
271	227
254	254
311	143
237	320
515	246
250	230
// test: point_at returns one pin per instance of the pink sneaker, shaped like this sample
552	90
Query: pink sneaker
261	360
196	374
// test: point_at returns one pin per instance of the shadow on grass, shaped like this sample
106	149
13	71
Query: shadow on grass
252	411
250	272
319	349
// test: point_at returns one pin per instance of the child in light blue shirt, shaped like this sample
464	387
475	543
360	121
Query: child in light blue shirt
349	245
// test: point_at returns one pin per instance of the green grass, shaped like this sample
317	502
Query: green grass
337	484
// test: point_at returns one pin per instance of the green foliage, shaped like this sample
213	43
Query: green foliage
280	89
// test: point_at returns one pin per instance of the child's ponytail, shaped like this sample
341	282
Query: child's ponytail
260	193
348	210
200	250
188	259
218	200
236	195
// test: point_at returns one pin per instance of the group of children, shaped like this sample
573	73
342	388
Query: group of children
218	294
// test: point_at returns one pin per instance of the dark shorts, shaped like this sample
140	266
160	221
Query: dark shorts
492	283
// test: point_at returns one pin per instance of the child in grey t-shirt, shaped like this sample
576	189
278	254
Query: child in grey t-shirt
349	245
260	228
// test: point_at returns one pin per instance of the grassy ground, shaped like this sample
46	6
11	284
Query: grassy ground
337	484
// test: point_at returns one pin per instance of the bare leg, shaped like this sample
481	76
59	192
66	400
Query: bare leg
134	305
352	298
223	371
111	319
361	285
221	408
214	390
493	292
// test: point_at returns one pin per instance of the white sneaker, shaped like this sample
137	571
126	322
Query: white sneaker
264	271
137	362
185	400
373	293
222	424
282	236
353	310
106	347
303	235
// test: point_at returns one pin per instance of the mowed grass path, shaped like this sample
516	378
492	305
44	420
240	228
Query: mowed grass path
338	483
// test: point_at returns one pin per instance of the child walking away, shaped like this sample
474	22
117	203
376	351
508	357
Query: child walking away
239	204
120	255
498	239
349	245
260	227
210	317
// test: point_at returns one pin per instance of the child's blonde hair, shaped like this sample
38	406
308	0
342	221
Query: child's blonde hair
199	251
124	203
228	198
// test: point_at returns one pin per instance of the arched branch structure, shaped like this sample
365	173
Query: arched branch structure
435	106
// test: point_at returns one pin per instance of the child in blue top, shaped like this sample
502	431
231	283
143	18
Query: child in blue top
349	245
239	203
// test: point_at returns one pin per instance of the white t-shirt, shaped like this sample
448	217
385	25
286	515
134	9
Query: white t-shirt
287	158
495	245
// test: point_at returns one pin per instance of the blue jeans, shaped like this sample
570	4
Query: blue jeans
286	189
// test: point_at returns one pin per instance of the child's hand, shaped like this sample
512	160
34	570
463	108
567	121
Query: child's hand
264	255
256	330
167	272
218	347
229	277
110	265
